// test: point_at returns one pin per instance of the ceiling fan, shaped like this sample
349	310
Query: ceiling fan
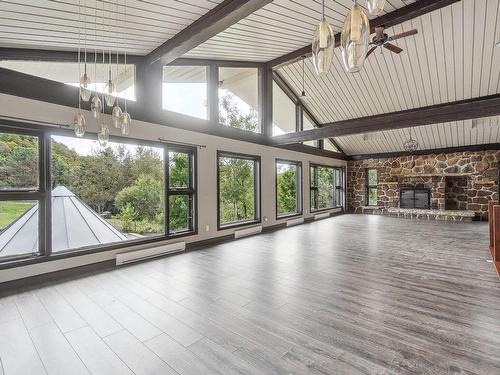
381	39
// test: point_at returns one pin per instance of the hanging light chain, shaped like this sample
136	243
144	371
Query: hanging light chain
79	53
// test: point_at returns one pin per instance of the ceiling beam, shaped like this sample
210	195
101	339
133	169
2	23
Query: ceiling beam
484	106
215	21
446	150
396	17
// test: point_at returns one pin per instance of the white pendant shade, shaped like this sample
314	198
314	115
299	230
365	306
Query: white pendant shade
375	7
322	47
354	39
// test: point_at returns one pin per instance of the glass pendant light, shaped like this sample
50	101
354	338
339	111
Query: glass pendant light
126	120
375	7
410	145
96	106
303	96
116	115
323	45
354	39
85	82
109	89
79	119
103	135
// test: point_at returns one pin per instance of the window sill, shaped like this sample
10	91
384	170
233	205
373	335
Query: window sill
238	224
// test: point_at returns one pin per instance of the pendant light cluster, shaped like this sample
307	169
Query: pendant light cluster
98	101
354	40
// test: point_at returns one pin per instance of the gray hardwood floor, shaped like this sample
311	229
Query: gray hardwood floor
348	295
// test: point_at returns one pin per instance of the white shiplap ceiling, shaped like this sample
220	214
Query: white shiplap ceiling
53	24
443	135
453	57
276	29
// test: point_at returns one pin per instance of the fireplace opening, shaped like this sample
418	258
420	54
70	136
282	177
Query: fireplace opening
415	198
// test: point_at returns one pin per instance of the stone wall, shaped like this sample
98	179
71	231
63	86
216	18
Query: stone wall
471	178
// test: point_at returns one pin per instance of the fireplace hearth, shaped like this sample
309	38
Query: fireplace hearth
414	198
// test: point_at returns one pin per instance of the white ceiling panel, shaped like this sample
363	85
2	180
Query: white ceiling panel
277	29
54	24
443	135
453	57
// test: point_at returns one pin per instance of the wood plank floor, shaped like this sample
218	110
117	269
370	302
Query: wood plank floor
351	294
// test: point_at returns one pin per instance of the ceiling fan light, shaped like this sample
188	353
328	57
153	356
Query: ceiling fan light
322	47
355	39
375	7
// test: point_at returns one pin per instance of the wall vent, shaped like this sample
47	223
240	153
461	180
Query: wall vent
247	232
152	252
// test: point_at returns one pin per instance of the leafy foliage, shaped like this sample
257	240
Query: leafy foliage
286	189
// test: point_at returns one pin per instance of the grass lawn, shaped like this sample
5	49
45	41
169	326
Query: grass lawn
10	211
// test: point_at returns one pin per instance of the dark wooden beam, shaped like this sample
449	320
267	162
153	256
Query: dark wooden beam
25	54
447	150
396	17
215	21
305	149
454	111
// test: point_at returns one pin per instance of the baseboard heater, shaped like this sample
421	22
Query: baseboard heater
247	232
321	216
292	222
152	252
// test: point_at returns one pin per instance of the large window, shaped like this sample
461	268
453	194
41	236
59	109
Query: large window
326	187
239	98
67	72
21	195
181	191
94	197
284	112
185	90
371	186
308	124
288	188
238	189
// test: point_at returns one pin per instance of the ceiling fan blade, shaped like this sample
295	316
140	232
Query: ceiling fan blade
402	35
370	51
393	48
379	31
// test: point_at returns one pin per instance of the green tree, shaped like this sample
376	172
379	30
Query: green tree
286	190
18	161
232	116
145	196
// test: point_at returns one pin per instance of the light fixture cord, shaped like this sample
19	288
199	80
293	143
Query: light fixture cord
116	77
85	28
79	53
103	62
303	73
323	10
95	47
125	55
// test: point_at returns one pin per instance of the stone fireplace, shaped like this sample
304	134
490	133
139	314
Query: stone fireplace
457	182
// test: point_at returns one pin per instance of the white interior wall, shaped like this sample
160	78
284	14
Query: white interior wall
206	177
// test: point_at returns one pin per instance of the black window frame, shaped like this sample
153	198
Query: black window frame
313	187
190	191
299	189
257	189
43	195
369	187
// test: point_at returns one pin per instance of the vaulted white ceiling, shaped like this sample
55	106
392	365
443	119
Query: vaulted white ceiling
53	24
276	29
